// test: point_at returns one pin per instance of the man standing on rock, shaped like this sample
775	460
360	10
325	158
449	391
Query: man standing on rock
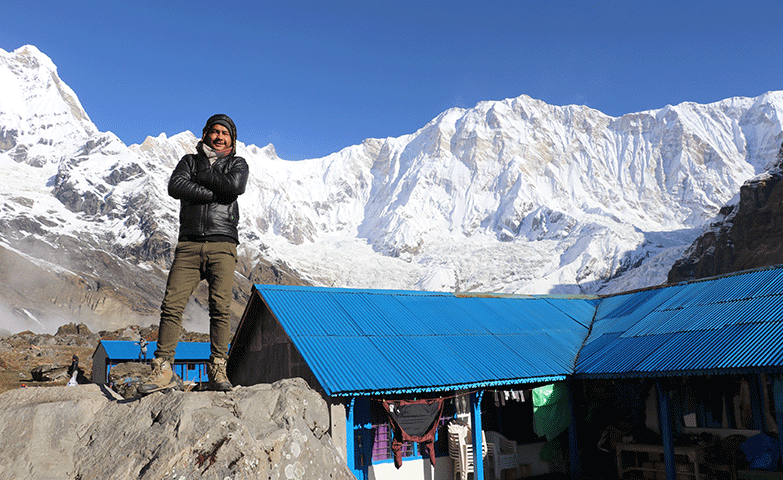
207	184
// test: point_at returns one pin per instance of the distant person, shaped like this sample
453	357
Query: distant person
73	370
207	184
142	349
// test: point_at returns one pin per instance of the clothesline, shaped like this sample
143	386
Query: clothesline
462	394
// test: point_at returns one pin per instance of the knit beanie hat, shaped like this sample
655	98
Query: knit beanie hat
221	119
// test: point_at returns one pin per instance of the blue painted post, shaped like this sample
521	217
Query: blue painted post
665	420
573	446
478	444
350	440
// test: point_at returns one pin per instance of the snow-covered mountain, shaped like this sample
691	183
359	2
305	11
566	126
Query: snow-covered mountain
512	196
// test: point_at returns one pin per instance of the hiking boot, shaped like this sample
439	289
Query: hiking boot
161	378
218	380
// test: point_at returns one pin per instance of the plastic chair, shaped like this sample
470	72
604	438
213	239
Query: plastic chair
461	450
501	452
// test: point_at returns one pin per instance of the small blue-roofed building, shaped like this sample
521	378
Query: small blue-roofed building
190	358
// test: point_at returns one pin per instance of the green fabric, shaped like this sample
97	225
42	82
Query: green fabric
551	412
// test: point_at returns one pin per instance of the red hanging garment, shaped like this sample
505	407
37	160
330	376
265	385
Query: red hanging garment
413	421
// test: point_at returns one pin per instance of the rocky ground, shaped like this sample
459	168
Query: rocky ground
90	433
23	352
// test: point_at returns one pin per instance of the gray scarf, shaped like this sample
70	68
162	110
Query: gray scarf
212	154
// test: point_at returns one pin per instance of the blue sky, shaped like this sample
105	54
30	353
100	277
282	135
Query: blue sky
315	77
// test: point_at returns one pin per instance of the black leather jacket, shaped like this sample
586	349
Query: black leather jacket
208	195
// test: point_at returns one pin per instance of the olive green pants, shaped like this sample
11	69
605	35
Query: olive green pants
193	262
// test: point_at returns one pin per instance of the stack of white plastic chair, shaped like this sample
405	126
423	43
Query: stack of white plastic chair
461	449
501	452
463	462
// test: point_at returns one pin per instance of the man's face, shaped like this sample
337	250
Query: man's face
218	138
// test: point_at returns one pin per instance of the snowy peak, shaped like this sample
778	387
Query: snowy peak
520	152
39	114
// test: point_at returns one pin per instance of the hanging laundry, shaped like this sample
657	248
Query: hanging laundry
413	421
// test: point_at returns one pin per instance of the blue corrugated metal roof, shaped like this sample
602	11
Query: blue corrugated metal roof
128	350
726	324
375	341
371	341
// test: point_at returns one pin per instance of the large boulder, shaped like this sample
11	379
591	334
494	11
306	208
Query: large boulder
50	372
276	431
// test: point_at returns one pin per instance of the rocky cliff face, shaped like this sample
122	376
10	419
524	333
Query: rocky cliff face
86	432
746	235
